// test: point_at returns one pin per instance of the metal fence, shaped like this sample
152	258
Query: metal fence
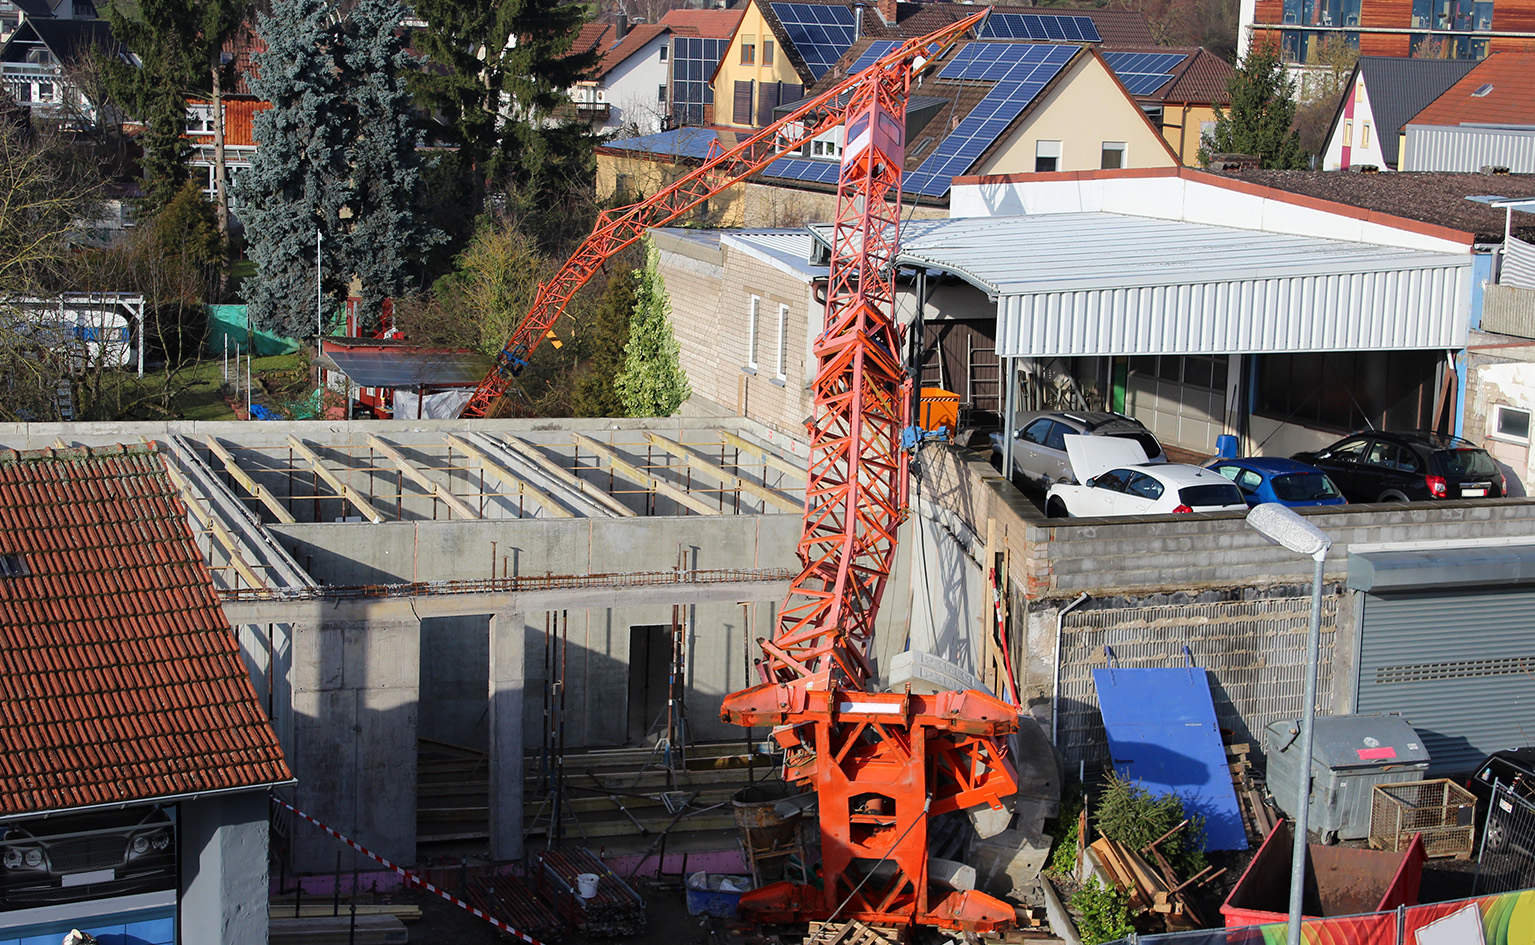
1506	855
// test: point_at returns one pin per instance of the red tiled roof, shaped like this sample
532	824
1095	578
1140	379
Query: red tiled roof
1200	79
1510	101
633	41
119	678
590	37
708	24
239	122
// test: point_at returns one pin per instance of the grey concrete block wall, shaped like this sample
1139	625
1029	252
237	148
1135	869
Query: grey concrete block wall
224	877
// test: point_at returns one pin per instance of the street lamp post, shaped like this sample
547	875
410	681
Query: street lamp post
1283	526
319	297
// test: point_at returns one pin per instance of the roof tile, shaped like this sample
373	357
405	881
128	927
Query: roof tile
1509	100
120	679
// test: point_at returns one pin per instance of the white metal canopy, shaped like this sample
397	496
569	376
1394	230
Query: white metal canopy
1079	284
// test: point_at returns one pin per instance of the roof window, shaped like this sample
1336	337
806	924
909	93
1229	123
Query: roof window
1482	90
12	566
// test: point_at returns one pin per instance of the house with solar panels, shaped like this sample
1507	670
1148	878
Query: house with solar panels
631	90
992	106
1178	88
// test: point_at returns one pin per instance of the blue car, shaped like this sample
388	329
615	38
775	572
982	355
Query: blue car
1276	479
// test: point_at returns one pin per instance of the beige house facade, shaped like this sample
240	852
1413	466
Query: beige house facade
1084	122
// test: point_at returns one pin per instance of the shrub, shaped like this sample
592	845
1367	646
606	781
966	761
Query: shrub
1103	913
1129	814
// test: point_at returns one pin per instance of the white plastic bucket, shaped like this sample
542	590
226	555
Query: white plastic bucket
586	885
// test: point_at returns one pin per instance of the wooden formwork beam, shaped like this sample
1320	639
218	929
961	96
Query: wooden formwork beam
680	496
729	479
420	478
771	458
531	453
231	547
249	484
358	501
509	478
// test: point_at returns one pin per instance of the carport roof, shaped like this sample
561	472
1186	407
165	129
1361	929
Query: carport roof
1103	283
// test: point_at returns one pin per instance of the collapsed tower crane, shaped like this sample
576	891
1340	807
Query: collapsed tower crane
881	763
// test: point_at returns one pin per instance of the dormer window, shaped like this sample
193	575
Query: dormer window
200	119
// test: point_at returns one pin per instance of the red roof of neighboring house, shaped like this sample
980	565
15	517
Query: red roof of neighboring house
1509	101
239	122
707	24
119	678
614	55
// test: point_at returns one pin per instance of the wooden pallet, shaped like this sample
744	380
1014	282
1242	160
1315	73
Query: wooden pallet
853	932
1257	817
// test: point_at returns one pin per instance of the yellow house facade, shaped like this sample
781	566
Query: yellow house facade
754	75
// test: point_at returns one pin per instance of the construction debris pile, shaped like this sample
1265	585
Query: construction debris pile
591	898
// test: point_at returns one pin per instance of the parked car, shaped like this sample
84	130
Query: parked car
79	856
1276	479
1514	768
1121	482
1039	445
1380	466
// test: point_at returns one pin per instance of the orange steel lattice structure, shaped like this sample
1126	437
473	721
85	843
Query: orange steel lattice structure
880	763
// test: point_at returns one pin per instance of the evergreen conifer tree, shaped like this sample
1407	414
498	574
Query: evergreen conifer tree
179	44
384	238
337	158
652	383
1261	114
496	70
295	186
602	345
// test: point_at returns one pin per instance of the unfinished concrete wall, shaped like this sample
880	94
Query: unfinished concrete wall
224	869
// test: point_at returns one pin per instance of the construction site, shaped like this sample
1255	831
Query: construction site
817	686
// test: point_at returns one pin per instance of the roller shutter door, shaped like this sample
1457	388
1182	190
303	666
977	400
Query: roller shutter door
1459	665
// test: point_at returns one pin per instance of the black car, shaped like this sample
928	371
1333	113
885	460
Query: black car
80	856
1379	466
1513	768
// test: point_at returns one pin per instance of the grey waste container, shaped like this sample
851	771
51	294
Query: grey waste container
1350	755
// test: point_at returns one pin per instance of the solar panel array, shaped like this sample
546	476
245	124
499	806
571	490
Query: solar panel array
816	172
820	32
1070	29
693	62
876	51
1143	73
1020	72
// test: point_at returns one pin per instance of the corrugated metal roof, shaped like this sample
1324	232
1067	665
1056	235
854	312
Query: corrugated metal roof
787	251
1100	283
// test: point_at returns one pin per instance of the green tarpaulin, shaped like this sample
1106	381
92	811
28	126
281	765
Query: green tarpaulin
232	323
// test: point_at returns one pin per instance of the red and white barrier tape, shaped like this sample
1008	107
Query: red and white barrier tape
409	877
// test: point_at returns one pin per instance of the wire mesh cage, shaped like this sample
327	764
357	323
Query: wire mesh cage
1439	810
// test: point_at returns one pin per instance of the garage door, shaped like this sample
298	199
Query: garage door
1458	664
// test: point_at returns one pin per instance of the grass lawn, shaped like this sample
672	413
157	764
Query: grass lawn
196	391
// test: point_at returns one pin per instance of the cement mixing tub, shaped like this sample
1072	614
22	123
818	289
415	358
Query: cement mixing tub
1339	881
769	833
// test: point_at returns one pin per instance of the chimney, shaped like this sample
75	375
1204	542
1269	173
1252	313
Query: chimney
887	11
621	26
858	20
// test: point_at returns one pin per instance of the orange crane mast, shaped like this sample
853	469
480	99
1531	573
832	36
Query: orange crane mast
881	763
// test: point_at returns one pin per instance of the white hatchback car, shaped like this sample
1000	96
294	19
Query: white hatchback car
1118	481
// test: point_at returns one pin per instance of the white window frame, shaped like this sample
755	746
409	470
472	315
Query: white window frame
752	317
781	356
1496	423
1047	149
1123	147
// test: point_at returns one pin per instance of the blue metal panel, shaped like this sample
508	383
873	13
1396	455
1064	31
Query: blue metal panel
1162	734
139	927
